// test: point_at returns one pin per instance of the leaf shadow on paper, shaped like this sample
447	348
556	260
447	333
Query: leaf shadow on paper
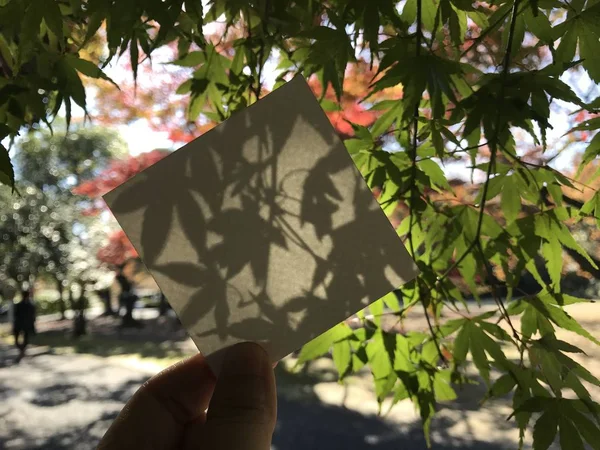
235	209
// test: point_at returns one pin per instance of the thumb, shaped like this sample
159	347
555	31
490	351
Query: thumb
242	411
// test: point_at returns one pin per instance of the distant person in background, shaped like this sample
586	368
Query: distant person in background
124	286
23	322
127	298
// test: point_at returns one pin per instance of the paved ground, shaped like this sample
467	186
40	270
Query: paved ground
58	400
52	401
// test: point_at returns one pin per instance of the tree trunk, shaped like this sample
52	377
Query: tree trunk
11	311
31	285
129	304
61	299
71	299
105	295
79	321
163	306
128	320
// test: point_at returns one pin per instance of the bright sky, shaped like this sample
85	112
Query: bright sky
142	138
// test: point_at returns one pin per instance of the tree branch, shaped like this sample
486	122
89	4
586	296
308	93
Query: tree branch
413	187
493	142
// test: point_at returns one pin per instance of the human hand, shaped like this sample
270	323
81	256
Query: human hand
168	411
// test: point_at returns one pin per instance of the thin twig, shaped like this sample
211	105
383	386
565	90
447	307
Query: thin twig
250	87
261	52
495	295
541	166
413	176
493	142
491	28
493	149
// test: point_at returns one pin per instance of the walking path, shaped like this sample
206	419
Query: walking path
59	400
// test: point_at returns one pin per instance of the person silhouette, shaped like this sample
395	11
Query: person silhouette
23	322
127	297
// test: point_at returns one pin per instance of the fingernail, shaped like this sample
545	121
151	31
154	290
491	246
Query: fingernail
246	358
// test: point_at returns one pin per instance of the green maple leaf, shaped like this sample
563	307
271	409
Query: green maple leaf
582	28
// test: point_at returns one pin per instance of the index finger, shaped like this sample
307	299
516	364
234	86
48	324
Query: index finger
158	412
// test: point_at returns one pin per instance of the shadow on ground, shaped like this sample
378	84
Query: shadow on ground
62	393
70	380
304	425
160	338
303	421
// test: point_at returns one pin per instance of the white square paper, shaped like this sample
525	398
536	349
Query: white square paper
262	229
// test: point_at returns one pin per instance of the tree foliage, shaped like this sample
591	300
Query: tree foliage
55	163
453	81
118	249
42	230
34	236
